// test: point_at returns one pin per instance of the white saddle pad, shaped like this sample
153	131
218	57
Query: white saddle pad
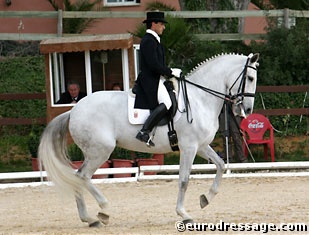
136	116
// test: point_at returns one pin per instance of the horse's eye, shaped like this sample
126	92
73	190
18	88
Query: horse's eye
250	78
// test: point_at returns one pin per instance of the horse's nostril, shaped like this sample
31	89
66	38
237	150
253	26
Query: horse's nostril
249	111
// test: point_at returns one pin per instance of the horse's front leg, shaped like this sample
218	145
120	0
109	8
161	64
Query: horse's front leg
209	154
186	161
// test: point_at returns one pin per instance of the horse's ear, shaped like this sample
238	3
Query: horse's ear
254	58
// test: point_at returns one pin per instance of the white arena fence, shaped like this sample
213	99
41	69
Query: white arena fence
169	172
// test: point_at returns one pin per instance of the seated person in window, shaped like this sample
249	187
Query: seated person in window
116	86
72	95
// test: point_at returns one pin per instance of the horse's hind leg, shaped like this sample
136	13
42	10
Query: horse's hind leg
86	174
207	154
186	160
102	201
83	213
82	210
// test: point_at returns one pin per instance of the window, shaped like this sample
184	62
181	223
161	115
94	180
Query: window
92	70
66	67
111	3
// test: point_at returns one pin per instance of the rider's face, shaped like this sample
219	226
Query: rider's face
158	27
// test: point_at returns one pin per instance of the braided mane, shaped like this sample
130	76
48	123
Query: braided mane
209	60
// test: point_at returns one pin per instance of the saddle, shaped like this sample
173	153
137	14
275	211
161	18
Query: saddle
139	116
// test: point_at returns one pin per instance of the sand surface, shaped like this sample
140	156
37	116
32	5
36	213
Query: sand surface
148	207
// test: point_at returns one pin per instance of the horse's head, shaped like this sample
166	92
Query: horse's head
242	91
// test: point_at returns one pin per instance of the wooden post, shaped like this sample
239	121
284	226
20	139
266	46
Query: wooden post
60	25
286	17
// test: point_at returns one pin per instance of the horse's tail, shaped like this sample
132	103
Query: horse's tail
53	154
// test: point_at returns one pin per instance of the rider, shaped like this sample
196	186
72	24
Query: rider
151	93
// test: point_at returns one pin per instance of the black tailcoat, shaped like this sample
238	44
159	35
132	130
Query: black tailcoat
152	64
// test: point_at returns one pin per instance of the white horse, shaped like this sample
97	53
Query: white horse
99	123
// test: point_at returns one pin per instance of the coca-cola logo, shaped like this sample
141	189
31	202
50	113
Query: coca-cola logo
255	125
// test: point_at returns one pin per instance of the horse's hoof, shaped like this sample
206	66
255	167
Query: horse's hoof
104	218
203	201
188	221
95	224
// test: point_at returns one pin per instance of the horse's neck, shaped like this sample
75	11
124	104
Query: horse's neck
214	75
210	79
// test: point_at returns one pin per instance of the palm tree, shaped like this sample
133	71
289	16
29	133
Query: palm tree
77	25
179	43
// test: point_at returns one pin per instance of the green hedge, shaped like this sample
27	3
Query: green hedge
24	74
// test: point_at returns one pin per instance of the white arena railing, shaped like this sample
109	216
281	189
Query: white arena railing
41	177
202	171
167	172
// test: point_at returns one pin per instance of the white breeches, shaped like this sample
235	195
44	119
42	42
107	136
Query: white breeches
163	96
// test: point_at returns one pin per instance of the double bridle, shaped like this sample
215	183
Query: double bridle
241	89
237	98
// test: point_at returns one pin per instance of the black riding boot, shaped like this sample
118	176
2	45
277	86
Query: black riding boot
154	118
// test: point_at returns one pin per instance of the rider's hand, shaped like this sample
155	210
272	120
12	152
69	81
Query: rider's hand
176	72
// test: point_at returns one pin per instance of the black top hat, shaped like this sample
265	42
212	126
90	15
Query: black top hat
155	16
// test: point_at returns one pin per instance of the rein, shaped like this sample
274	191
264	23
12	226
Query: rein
230	98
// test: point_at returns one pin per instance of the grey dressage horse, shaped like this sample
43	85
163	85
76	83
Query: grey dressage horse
99	123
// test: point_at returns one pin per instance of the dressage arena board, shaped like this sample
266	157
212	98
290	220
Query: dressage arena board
148	207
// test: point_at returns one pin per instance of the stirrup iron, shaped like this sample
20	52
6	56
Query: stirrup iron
144	137
150	143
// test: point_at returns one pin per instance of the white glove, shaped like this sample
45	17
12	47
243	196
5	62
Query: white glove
176	72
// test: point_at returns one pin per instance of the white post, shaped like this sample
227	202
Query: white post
54	81
136	59
125	69
61	73
88	73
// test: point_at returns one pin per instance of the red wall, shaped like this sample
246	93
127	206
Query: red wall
27	25
254	25
112	26
100	26
45	25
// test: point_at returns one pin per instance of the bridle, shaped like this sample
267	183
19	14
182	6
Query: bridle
241	89
234	99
